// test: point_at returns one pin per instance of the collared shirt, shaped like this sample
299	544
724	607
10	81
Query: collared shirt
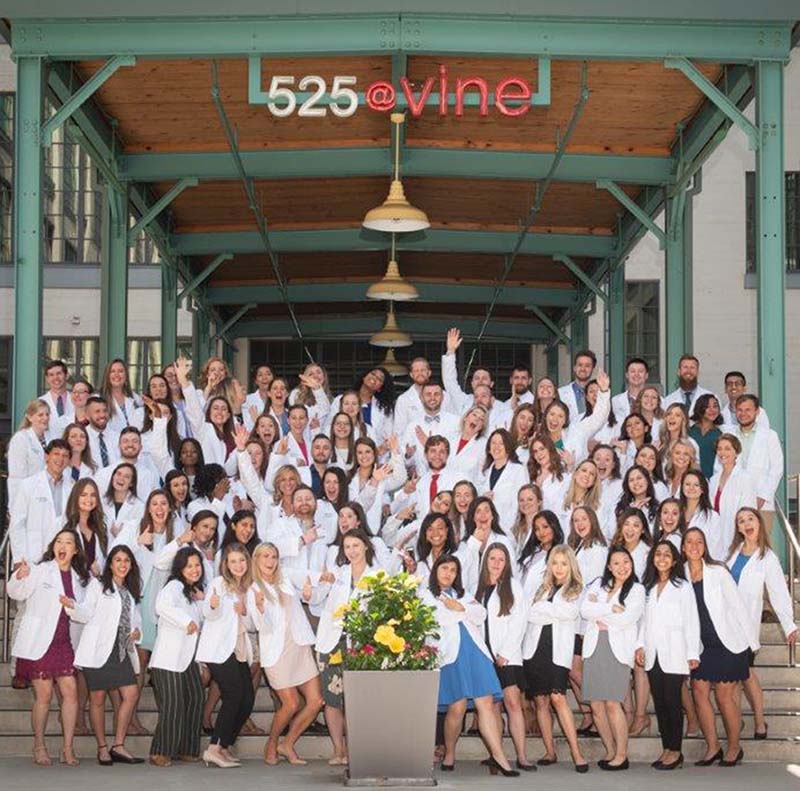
746	438
580	396
57	490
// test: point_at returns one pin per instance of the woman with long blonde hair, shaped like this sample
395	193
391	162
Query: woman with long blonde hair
285	638
548	647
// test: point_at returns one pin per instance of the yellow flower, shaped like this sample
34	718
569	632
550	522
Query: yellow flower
392	622
335	658
412	582
397	644
408	616
364	583
340	611
384	634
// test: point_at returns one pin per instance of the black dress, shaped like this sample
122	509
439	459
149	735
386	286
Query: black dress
509	675
717	663
542	675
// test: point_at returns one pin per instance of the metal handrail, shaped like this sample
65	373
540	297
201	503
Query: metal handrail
5	550
792	552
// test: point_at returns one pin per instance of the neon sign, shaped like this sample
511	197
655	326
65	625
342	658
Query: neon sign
310	97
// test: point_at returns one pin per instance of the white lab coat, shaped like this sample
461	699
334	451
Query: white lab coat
174	647
764	463
374	511
622	626
739	491
334	594
100	611
709	523
757	573
163	559
567	397
728	612
319	410
562	616
272	623
40	591
69	407
670	628
214	449
221	625
34	520
467	462
504	493
471	556
445	425
449	642
25	458
407	408
576	437
507	631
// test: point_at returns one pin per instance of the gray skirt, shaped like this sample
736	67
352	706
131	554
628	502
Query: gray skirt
604	676
112	675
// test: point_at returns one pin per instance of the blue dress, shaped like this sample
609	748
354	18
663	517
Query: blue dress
471	676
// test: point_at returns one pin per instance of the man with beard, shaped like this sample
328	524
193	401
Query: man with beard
408	406
574	393
520	381
688	390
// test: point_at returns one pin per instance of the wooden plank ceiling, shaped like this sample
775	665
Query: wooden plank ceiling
165	106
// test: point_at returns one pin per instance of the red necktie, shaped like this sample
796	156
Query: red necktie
434	485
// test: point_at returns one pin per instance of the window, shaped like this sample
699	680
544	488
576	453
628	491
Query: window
6	174
344	360
6	428
792	221
642	324
144	359
81	356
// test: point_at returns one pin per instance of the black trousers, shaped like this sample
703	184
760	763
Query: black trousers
237	699
666	689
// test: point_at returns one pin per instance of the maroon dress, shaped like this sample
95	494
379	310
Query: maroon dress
59	658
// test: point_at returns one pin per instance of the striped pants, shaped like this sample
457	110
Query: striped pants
179	697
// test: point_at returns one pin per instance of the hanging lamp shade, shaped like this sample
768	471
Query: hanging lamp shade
391	336
393	288
396	214
392	366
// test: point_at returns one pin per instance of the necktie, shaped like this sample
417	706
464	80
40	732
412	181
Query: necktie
103	450
687	399
60	406
124	631
124	412
431	418
580	398
434	485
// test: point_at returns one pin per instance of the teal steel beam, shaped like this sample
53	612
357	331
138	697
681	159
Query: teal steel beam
82	94
204	275
717	97
338	325
114	279
615	318
233	320
437	241
771	250
299	163
633	207
29	243
354	292
169	313
579	333
159	206
587	281
200	338
549	323
552	362
675	274
721	41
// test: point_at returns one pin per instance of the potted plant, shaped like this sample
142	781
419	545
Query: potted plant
391	681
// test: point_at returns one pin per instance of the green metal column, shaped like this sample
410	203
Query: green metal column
169	313
771	249
27	235
579	333
114	279
678	342
615	313
227	354
552	362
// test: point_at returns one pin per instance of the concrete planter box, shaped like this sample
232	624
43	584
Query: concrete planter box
391	726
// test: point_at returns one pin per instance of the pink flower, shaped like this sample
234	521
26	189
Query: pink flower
368	649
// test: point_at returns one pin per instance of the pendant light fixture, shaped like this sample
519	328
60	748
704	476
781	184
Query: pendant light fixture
391	336
393	287
392	366
396	214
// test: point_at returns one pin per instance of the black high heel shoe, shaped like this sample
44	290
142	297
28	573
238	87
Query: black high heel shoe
582	769
759	736
676	764
495	767
447	767
709	761
735	761
609	767
523	767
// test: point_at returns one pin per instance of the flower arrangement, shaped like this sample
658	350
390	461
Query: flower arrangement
388	626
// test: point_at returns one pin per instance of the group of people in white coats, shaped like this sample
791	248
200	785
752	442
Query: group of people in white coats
615	548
